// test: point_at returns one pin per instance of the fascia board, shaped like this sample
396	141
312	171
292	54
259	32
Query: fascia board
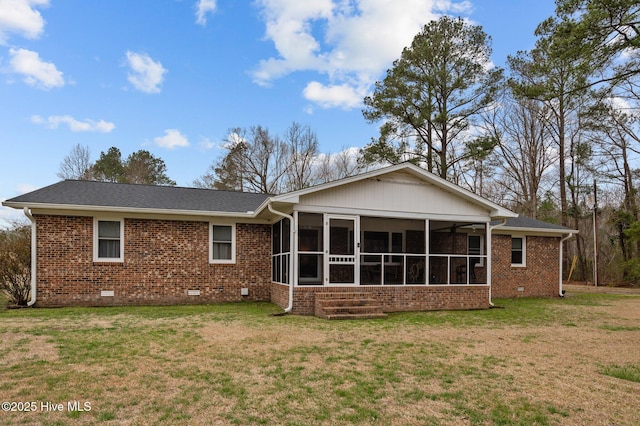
534	231
124	210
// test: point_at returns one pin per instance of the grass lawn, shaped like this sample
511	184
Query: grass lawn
535	361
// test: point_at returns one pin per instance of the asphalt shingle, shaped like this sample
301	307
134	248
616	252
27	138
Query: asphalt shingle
105	194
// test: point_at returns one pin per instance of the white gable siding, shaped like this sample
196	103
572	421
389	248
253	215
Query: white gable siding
397	192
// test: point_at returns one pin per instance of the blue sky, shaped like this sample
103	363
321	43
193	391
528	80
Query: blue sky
173	76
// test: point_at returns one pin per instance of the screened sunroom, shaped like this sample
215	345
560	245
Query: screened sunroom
359	250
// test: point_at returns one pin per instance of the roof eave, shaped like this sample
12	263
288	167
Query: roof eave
122	210
528	230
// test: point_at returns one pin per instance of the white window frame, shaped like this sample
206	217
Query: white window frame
96	258
524	251
233	244
481	254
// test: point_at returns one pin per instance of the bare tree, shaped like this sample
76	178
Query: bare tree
524	147
76	165
302	145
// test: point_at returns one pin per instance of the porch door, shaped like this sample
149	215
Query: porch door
341	247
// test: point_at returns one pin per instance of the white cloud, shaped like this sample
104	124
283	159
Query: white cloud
146	74
207	144
35	71
172	139
350	42
87	125
20	17
204	7
332	96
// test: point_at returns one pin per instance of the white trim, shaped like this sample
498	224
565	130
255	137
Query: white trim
524	251
96	257
233	244
130	210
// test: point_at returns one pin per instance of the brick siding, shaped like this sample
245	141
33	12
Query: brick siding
539	278
163	259
396	298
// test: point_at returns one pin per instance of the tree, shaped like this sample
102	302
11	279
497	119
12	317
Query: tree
109	167
256	161
602	33
142	167
551	74
15	262
302	144
76	165
524	148
430	97
139	167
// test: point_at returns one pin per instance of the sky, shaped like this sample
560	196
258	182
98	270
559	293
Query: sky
173	76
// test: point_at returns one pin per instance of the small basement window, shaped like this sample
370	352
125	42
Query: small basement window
108	240
223	243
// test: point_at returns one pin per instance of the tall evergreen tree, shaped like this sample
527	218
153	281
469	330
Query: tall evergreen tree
431	96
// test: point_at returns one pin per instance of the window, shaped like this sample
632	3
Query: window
223	242
108	240
475	246
280	255
518	251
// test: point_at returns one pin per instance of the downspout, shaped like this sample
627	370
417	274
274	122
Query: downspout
33	256
560	290
490	255
291	245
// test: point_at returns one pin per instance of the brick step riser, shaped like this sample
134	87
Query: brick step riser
354	316
353	310
328	303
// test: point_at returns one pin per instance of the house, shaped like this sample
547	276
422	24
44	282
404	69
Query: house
398	236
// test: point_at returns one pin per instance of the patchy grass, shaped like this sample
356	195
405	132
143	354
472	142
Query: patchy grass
530	362
624	372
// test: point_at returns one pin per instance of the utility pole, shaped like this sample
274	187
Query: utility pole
595	234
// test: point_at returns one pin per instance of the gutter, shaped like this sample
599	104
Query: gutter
291	239
489	258
27	213
560	290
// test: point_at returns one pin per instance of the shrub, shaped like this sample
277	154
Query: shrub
15	263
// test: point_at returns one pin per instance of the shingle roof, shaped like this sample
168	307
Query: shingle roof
105	194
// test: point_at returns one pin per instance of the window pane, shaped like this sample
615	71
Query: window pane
516	244
222	251
108	229
109	249
516	257
221	233
275	237
474	244
286	235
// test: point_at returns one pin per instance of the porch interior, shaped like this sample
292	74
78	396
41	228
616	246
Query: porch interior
389	251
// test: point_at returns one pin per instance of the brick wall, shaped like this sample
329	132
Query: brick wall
539	278
163	259
399	298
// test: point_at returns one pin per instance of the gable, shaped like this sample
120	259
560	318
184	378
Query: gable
398	191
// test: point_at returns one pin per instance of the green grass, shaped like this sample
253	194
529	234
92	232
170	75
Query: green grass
624	372
237	364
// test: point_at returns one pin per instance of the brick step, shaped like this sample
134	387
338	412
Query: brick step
342	295
346	302
355	316
368	309
348	305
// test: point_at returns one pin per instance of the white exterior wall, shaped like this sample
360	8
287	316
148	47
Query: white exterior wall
394	193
